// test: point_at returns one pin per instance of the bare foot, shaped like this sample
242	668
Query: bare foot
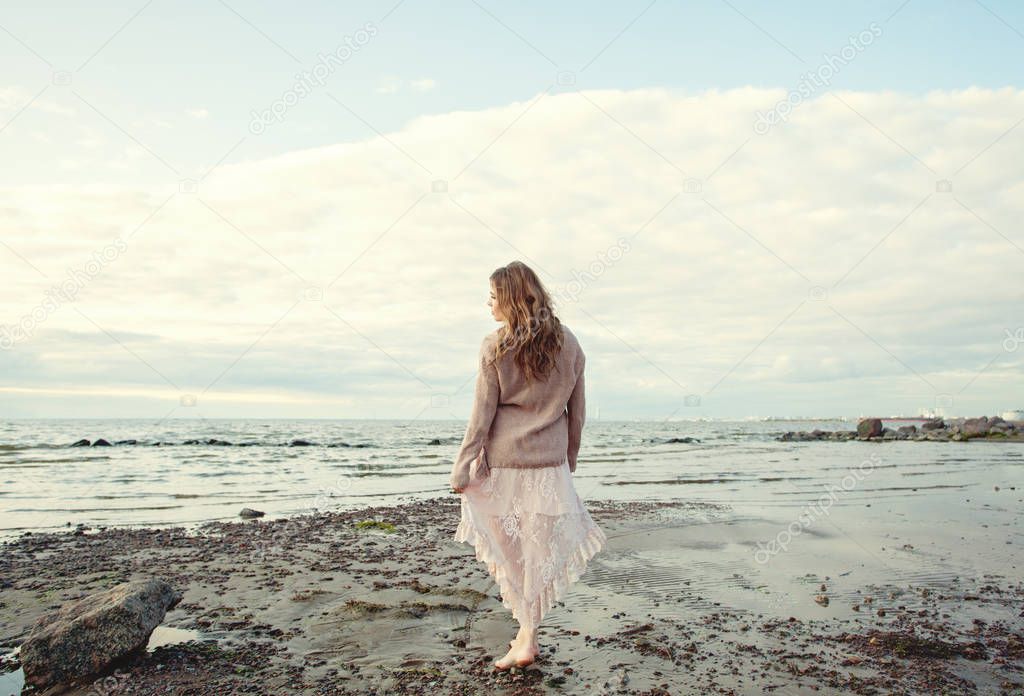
520	654
517	656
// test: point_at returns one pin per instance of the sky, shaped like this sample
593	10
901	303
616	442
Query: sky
242	209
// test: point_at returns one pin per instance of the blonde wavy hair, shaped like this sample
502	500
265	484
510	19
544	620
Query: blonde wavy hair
531	330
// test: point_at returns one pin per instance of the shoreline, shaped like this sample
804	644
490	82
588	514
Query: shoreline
983	428
187	484
318	604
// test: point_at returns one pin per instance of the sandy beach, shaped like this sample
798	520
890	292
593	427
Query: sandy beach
676	604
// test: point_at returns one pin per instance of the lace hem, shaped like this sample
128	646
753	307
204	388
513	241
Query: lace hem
568	570
519	465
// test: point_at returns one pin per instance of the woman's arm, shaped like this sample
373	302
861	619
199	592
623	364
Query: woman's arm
577	410
485	404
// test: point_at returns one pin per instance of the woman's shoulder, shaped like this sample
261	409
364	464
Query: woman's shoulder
570	337
575	350
489	344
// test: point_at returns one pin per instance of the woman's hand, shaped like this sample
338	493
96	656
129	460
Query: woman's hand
457	486
458	481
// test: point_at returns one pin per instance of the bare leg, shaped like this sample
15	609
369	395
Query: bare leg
523	635
527	639
525	648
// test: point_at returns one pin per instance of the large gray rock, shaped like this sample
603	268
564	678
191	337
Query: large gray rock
906	431
83	637
869	427
934	424
975	427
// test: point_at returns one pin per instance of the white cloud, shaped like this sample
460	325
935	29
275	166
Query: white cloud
198	114
424	85
13	99
715	295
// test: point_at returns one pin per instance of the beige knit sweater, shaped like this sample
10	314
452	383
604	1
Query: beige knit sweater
519	424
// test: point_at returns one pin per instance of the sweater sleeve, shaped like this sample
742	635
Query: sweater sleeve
485	404
577	411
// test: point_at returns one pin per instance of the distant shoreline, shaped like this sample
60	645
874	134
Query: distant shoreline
931	430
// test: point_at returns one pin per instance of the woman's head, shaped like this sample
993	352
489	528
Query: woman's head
530	328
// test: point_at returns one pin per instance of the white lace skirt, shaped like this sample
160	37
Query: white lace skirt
531	530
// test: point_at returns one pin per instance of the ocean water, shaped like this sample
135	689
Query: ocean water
185	472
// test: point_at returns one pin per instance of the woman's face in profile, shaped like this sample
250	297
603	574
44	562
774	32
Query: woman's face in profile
492	302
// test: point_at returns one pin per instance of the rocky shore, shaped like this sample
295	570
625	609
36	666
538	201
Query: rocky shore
382	601
935	430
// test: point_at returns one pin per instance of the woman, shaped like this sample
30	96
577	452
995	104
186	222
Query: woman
513	471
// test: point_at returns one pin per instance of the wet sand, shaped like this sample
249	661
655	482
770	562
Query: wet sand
676	604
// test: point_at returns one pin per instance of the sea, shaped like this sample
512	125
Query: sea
190	471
